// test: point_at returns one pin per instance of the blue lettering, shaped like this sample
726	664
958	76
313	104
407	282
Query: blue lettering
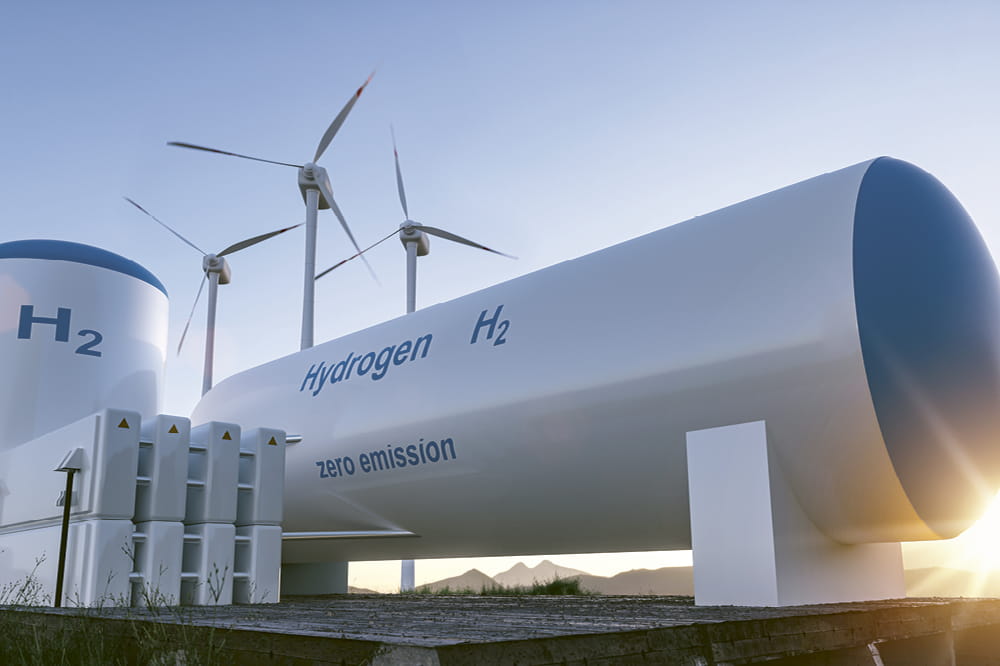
340	369
366	363
445	444
391	458
416	348
28	319
323	374
382	362
379	459
437	453
483	322
401	352
311	375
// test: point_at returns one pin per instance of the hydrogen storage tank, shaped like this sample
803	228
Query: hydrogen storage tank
856	313
81	329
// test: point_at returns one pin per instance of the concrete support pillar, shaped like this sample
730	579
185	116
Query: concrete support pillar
752	543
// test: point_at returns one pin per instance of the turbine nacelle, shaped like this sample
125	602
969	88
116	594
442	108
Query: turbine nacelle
213	263
314	177
409	232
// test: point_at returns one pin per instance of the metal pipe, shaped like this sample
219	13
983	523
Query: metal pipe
347	534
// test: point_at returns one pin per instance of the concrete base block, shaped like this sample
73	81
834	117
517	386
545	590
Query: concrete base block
752	543
314	578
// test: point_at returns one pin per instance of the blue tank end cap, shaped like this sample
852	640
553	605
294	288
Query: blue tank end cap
77	252
928	307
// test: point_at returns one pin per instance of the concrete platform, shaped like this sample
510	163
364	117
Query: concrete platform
433	630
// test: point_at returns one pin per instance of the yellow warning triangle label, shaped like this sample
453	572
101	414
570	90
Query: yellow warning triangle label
123	424
173	429
273	442
226	435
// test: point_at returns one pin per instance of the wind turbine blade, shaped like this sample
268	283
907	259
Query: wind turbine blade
358	254
191	316
244	244
399	174
339	120
324	186
181	144
447	235
165	226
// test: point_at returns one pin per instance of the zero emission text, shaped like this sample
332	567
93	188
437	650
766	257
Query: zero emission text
389	458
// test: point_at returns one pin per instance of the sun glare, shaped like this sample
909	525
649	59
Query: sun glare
980	544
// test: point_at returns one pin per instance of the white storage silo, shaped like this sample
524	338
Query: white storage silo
81	329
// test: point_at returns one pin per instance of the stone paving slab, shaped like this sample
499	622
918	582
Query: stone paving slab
431	629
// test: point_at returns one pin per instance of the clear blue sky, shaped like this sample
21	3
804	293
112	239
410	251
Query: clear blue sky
547	130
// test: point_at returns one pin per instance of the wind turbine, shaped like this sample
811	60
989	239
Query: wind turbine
314	183
413	236
216	272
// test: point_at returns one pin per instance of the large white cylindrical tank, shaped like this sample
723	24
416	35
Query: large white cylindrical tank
857	313
81	329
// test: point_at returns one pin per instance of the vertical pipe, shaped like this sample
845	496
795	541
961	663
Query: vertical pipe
309	279
407	581
64	537
213	295
411	276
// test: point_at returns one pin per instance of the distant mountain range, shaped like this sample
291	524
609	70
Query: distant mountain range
927	582
666	581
